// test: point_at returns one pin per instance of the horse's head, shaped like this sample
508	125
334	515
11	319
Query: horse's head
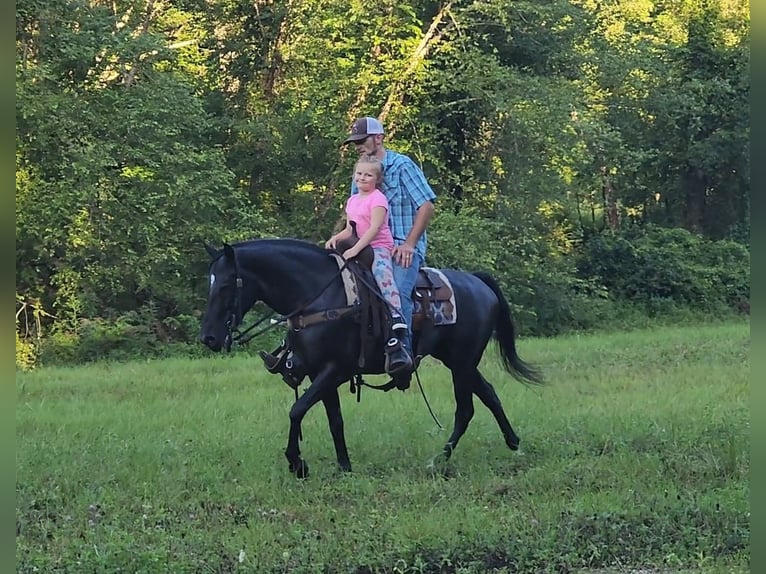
224	301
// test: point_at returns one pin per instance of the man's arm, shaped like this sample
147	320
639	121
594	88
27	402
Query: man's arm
402	254
422	219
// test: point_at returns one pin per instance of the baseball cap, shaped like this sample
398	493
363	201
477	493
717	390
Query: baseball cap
363	127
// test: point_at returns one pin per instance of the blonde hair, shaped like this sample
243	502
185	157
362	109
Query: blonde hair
371	160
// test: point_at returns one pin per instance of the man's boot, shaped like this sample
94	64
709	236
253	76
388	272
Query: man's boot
398	360
283	361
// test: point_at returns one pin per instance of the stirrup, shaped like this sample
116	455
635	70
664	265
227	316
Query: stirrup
283	363
289	377
402	380
398	360
274	363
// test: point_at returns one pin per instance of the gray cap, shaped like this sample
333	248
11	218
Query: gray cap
363	127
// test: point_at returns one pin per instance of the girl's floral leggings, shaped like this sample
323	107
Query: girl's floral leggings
383	271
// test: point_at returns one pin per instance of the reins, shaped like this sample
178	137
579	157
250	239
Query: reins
238	336
356	382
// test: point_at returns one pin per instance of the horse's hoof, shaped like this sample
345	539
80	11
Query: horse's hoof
438	463
300	470
513	443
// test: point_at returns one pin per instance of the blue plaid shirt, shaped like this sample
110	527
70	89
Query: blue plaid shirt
406	189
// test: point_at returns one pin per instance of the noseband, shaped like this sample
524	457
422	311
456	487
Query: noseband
236	315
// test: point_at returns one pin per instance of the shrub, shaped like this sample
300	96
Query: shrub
128	336
29	326
537	273
26	354
661	267
60	348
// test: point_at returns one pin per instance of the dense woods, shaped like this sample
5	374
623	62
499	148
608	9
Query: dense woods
593	155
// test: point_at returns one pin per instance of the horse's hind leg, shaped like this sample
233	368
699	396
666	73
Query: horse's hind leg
486	393
331	402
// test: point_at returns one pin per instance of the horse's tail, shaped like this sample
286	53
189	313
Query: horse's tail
505	336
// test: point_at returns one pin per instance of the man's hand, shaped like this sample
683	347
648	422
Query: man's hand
403	254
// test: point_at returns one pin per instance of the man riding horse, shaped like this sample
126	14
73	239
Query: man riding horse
410	200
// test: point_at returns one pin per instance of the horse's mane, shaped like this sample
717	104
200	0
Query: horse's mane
300	245
281	241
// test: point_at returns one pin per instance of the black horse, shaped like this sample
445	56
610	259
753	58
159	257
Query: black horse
292	276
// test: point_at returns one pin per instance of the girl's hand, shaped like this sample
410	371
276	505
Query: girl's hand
350	253
330	243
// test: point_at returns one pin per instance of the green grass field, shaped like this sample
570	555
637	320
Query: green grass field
635	454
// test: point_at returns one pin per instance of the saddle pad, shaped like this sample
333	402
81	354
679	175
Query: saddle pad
349	281
444	312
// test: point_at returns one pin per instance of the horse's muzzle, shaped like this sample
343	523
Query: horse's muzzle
214	344
211	342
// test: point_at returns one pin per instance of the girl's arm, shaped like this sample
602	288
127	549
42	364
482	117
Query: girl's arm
377	218
345	233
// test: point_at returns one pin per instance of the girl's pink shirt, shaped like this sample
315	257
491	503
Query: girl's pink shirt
359	210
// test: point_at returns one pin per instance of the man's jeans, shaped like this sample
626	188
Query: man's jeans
405	279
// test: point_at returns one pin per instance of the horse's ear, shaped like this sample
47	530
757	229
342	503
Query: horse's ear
228	252
212	251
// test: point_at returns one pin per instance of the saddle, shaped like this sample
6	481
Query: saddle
433	304
434	300
366	255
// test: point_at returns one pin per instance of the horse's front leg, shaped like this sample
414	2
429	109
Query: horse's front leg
463	414
310	397
331	402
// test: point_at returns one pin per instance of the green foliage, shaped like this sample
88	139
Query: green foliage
119	177
531	262
140	334
62	348
26	353
28	328
652	265
143	130
463	240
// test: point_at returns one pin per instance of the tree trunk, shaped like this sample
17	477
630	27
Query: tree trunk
274	56
129	77
610	201
695	188
399	88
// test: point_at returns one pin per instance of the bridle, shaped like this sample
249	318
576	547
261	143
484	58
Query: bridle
236	314
294	318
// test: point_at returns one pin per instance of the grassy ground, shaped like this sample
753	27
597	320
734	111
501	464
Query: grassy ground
634	458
